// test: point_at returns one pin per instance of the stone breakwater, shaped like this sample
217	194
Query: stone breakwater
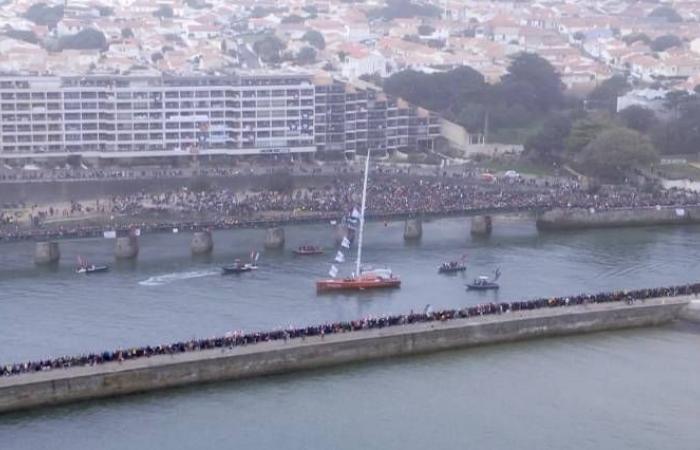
577	218
53	387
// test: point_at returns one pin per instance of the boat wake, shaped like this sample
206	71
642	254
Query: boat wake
168	278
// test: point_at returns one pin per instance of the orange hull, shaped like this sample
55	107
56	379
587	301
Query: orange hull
357	284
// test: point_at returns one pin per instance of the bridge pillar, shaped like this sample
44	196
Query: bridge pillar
126	247
46	252
274	238
202	243
413	229
481	225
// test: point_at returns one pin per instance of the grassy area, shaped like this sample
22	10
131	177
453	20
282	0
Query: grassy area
519	165
679	172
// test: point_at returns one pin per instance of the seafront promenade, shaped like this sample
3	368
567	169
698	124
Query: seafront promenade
119	377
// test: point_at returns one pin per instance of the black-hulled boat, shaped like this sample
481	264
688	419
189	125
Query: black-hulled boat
236	268
452	267
308	250
484	284
92	268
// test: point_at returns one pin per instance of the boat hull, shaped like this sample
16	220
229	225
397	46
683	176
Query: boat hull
94	269
230	270
357	284
482	287
308	252
452	269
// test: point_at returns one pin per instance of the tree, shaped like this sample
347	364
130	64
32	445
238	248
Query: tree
269	48
681	135
534	82
667	13
615	152
635	37
550	142
87	39
127	33
404	9
314	38
374	78
164	12
663	43
638	118
306	55
22	35
605	95
42	14
425	30
583	132
293	19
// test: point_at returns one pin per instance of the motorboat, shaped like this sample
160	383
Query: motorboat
238	267
87	268
452	267
483	283
308	250
92	268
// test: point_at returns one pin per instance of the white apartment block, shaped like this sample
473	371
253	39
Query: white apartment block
130	116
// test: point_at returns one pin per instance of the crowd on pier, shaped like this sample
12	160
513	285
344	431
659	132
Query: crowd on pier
237	339
387	197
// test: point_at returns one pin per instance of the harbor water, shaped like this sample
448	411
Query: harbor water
623	390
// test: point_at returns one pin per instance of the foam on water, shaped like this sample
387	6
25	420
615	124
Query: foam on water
168	278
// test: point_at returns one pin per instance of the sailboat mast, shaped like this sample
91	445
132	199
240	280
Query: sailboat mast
362	217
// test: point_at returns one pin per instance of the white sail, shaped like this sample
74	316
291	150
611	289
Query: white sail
339	257
333	272
355	214
345	243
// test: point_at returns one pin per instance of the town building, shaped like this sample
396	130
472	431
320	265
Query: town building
154	115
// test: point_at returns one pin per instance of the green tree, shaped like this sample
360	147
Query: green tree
532	82
306	55
269	49
87	39
663	43
667	13
164	12
404	9
425	30
583	132
638	118
127	33
605	95
615	152
680	135
293	19
42	14
635	37
550	142
314	38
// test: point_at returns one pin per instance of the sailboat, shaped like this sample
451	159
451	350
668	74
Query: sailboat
361	279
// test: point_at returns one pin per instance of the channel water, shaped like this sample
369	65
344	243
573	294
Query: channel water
624	390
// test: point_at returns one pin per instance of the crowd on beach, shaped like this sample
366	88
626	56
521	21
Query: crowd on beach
239	338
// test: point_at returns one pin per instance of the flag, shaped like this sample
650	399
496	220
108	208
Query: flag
428	309
333	272
111	234
355	214
345	243
137	232
339	257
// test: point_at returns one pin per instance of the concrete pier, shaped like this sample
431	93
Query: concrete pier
202	243
274	238
691	313
481	225
163	371
46	252
413	229
126	247
576	218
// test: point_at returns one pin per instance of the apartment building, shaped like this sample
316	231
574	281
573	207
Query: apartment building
131	116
